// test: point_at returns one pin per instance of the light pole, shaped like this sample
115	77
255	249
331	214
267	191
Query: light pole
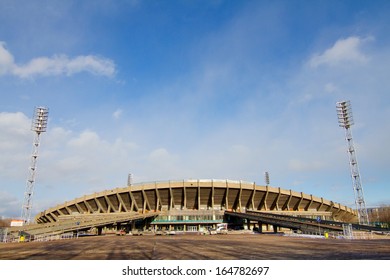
344	114
39	125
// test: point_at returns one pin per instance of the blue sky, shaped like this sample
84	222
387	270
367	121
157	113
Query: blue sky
171	90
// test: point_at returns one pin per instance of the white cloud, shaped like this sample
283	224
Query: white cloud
6	60
330	88
84	140
159	154
55	65
117	114
88	160
161	165
343	51
70	163
15	139
92	64
15	123
161	158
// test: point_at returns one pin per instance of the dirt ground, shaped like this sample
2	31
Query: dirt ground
195	247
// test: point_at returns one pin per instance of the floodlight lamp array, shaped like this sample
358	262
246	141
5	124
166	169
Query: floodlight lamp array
344	114
266	178
39	123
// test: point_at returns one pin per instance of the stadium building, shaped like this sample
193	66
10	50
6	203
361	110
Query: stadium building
188	206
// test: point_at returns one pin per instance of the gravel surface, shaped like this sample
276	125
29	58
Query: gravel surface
196	247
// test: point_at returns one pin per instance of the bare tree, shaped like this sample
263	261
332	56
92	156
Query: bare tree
381	215
5	222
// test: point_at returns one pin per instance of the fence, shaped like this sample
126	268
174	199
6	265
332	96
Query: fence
3	234
336	235
6	237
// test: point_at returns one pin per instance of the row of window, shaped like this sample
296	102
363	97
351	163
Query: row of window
189	218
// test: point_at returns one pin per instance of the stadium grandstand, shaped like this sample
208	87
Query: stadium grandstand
189	206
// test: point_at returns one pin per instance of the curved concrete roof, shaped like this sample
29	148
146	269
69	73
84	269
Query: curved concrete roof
195	195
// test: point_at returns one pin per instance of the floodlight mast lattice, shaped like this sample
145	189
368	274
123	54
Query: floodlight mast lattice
345	118
39	125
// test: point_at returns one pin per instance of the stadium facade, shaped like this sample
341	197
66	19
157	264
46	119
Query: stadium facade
190	205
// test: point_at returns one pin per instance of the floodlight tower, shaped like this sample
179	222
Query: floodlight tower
39	124
130	179
344	114
266	178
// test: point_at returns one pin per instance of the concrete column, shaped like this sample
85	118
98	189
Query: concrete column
275	229
260	227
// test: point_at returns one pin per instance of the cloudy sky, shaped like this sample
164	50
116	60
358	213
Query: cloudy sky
171	90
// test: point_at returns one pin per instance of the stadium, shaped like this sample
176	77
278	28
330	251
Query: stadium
188	210
189	206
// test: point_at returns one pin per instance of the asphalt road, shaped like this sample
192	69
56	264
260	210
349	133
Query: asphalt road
195	247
